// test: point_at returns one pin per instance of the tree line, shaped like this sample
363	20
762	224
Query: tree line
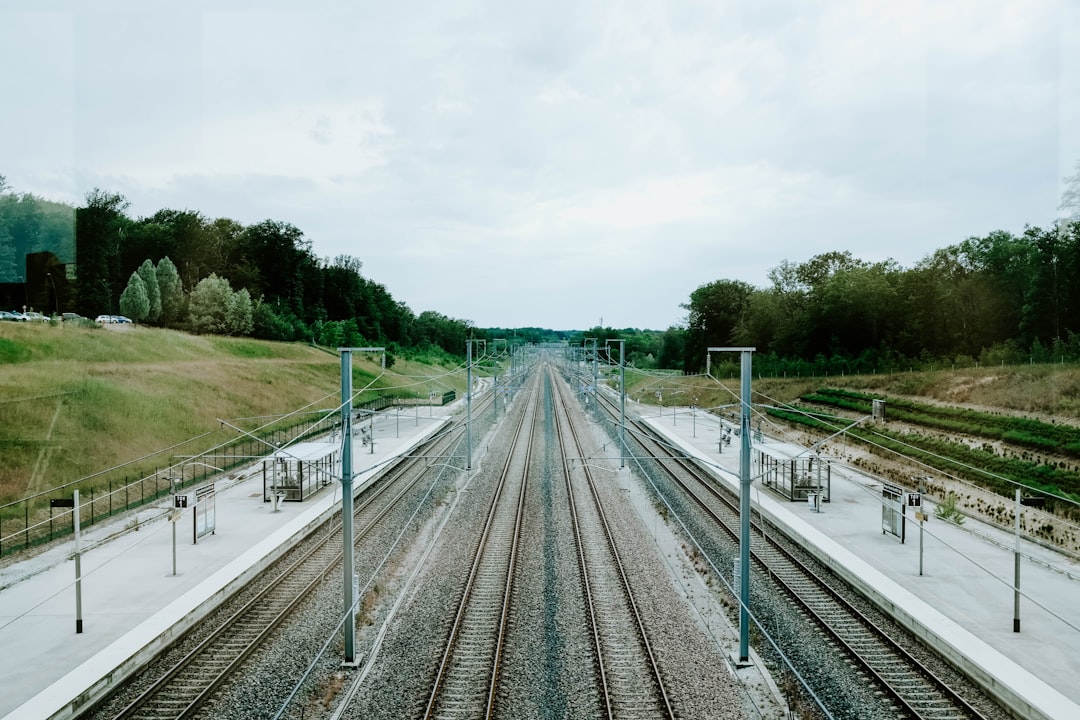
181	269
996	298
1002	297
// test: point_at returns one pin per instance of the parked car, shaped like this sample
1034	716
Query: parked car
120	319
13	317
103	319
21	317
69	317
36	316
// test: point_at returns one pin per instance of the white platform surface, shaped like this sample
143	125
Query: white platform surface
129	592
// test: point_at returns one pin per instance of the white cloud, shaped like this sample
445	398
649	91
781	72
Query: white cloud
556	151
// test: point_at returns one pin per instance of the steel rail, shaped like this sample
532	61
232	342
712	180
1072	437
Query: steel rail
487	551
220	655
912	699
638	625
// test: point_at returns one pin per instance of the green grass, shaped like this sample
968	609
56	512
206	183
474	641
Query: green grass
76	401
12	351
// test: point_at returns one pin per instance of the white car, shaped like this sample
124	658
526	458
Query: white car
104	319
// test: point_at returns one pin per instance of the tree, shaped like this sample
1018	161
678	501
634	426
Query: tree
148	274
99	228
1070	198
8	270
280	255
238	313
208	305
672	348
715	310
171	291
134	302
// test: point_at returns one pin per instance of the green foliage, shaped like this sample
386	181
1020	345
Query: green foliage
238	313
208	306
171	291
952	457
1025	432
134	302
148	274
715	310
244	349
272	323
948	511
13	352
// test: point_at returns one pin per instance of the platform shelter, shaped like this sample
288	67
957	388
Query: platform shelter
300	471
800	478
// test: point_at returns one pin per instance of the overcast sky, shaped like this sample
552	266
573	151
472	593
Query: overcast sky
554	163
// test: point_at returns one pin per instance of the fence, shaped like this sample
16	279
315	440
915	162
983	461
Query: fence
33	521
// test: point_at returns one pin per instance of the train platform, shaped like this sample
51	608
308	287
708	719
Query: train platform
962	601
132	601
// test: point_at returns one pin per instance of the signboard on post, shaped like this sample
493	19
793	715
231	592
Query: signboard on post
205	515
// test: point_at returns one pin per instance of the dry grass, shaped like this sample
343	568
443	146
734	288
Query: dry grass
1050	392
75	401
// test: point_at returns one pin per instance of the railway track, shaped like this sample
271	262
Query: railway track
466	681
183	689
913	690
629	676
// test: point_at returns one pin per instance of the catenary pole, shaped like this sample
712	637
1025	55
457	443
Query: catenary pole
745	372
347	504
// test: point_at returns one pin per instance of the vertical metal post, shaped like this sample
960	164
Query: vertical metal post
347	504
78	566
920	542
172	521
468	405
595	367
1016	569
745	374
744	513
622	402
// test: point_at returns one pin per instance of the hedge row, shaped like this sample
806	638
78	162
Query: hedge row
1024	432
952	457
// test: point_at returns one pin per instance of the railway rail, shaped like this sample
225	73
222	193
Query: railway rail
914	691
184	688
466	682
630	680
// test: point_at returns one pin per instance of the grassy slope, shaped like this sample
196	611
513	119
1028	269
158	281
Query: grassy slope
75	400
1043	391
